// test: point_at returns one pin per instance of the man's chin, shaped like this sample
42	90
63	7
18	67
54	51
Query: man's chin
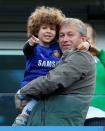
65	50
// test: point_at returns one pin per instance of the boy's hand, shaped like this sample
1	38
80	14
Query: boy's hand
84	46
33	40
94	50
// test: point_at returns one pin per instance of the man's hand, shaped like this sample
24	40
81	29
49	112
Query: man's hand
20	100
20	104
33	40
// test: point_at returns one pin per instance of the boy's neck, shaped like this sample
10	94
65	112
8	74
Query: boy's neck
45	45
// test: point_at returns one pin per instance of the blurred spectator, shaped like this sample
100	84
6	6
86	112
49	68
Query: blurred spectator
96	113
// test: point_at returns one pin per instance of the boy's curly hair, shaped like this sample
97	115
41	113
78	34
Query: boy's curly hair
44	15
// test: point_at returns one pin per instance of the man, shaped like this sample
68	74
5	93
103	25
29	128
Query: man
65	93
96	113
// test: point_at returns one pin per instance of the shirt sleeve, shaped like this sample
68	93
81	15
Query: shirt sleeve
101	56
28	50
67	72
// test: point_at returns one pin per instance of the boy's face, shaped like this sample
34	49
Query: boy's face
47	33
69	37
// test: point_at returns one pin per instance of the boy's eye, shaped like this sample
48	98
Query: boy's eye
44	27
53	28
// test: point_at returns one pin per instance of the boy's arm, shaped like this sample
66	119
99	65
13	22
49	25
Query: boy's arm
93	50
28	47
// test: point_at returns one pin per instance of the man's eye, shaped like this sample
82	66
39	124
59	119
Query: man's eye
70	34
61	35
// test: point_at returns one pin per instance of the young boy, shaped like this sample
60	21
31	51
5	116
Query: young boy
42	52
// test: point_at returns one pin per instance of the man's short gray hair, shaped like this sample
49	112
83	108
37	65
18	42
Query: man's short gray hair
78	23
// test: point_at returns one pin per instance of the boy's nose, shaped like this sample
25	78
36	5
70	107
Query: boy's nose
48	29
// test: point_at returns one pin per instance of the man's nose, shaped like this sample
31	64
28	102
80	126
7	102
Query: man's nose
65	38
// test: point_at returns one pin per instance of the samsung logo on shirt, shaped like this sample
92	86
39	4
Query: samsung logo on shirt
47	63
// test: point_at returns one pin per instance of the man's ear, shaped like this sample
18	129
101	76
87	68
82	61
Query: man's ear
84	38
94	42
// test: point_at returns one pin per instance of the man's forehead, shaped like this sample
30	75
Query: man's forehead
67	24
68	27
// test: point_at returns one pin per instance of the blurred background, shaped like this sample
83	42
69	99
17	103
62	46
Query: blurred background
13	20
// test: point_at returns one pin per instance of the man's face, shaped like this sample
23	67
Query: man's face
69	37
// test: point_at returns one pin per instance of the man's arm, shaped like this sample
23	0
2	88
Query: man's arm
66	73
